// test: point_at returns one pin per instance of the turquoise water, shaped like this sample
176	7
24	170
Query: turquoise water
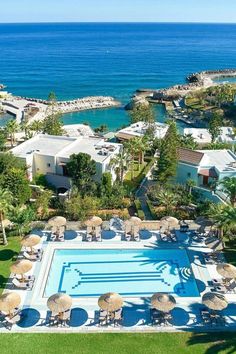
114	118
90	273
85	59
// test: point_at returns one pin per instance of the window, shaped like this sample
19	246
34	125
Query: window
48	165
189	174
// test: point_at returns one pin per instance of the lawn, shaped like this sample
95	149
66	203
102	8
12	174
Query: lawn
7	256
160	343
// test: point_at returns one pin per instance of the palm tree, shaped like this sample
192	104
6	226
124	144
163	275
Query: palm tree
11	128
36	126
120	163
143	145
167	199
224	217
190	184
229	187
6	200
22	217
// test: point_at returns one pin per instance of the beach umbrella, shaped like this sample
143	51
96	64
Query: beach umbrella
163	302
59	302
214	301
110	302
57	221
6	223
9	301
21	267
170	220
135	221
226	270
31	241
94	221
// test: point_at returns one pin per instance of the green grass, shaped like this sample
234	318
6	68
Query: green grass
7	256
115	343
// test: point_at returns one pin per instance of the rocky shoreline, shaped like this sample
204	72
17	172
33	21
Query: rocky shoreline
199	77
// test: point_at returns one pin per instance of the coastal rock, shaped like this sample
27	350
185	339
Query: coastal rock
135	102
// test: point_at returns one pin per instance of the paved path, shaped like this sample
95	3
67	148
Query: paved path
141	195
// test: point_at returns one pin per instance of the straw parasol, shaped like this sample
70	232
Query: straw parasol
94	221
110	302
31	241
226	270
21	267
163	302
214	301
9	301
59	302
170	220
57	221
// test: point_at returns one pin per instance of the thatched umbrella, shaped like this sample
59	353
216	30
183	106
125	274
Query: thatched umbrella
110	302
93	222
214	301
21	267
170	220
31	241
57	221
59	302
9	301
163	302
227	271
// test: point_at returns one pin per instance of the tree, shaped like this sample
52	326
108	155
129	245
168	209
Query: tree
52	125
3	139
36	126
120	162
101	129
15	180
190	184
82	169
142	113
6	200
168	199
12	128
43	202
214	126
22	218
79	208
224	217
9	161
187	142
229	187
168	160
106	184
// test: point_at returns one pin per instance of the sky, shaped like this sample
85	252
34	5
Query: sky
118	11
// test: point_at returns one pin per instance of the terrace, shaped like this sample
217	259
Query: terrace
184	266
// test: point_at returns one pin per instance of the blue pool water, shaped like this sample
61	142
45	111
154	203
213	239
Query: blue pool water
88	273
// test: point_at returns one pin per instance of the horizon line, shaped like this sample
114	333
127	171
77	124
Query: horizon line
118	22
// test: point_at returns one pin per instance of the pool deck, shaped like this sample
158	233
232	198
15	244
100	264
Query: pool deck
186	315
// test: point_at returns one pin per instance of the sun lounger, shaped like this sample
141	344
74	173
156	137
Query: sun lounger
164	237
231	286
9	322
98	235
157	318
128	236
32	257
65	318
22	285
205	316
103	316
118	317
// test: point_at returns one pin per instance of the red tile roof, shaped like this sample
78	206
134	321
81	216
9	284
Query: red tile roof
190	156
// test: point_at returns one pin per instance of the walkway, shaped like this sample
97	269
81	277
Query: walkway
141	194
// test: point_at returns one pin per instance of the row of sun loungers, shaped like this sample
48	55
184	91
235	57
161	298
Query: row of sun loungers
212	318
93	234
26	284
106	317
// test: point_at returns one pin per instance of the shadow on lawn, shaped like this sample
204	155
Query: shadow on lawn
224	342
7	254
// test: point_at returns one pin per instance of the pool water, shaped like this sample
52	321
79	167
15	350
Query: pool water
135	273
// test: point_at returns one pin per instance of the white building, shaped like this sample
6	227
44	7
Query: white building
203	137
48	155
139	129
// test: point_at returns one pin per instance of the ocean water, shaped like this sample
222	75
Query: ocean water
77	60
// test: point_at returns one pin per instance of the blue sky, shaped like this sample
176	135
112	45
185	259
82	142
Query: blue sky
118	10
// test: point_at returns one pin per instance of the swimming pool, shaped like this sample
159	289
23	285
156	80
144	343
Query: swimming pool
135	273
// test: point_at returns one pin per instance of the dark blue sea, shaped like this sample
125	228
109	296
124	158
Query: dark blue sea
79	59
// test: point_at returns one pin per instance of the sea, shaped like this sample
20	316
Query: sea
86	59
